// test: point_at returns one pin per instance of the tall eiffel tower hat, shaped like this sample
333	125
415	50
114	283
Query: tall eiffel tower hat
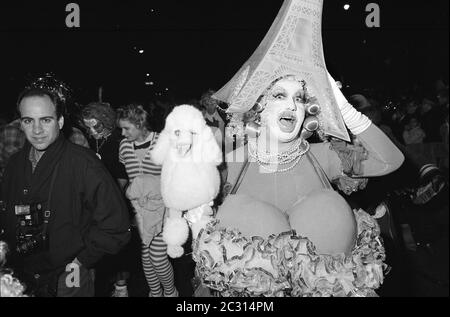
293	46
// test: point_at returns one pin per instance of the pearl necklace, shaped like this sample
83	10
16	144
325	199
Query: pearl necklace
292	155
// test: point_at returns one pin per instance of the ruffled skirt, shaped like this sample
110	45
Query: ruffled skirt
287	265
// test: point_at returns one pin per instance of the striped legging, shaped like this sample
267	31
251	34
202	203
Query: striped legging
157	268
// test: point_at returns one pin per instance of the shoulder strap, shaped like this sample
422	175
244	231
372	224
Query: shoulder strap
242	173
319	171
240	177
312	159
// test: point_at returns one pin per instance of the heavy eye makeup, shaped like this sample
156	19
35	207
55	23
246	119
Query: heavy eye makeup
281	94
299	97
278	94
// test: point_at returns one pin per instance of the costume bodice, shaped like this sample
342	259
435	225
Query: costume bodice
253	249
263	203
280	189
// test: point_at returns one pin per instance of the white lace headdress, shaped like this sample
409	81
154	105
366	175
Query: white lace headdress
293	46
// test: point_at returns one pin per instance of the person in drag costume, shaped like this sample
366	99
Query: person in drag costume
282	229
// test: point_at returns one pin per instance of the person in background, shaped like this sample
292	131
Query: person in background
411	108
431	117
442	98
134	153
63	210
12	140
217	123
100	121
413	133
212	116
444	135
417	171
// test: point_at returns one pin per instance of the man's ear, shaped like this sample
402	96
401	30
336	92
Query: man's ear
61	122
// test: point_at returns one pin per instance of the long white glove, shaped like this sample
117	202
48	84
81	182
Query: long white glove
354	120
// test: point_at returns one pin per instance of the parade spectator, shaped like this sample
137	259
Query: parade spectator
134	153
63	209
413	133
100	120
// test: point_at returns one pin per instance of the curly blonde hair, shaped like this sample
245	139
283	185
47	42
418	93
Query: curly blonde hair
136	115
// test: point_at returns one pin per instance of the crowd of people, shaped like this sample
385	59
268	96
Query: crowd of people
122	139
417	123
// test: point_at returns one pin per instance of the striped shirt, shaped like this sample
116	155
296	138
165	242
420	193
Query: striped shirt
134	166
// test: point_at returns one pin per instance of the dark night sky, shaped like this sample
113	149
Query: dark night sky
194	45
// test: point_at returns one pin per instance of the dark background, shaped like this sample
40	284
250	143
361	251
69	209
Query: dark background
190	46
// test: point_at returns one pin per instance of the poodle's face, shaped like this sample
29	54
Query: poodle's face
185	125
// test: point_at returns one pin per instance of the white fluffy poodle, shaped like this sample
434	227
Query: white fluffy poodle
189	155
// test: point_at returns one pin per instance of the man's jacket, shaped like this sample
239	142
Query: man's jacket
89	217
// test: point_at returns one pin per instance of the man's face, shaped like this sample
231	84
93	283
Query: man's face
411	108
442	100
426	107
39	122
210	105
413	123
284	112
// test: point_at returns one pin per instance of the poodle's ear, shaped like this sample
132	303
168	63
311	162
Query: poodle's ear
211	152
159	152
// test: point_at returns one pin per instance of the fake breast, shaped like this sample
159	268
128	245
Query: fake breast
323	217
252	217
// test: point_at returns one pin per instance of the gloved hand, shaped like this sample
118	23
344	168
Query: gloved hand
354	120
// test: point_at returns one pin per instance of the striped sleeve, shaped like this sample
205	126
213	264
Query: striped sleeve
121	149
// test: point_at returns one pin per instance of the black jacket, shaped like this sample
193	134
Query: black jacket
89	216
